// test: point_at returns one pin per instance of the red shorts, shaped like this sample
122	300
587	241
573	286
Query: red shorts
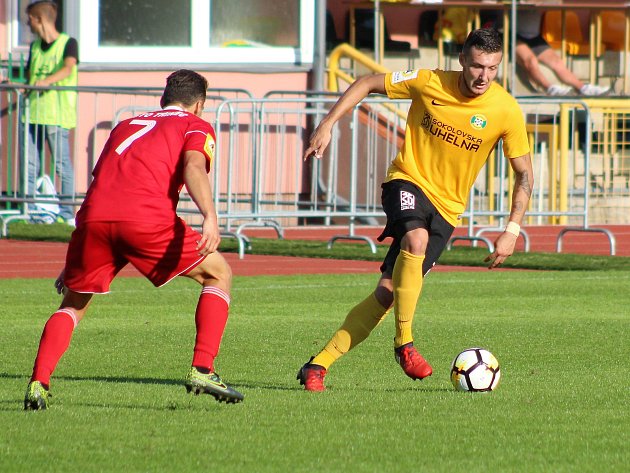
99	250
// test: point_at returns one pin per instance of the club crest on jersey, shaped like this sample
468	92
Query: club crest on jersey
209	146
407	200
402	76
478	121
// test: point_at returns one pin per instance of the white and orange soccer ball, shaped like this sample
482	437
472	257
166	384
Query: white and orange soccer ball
476	370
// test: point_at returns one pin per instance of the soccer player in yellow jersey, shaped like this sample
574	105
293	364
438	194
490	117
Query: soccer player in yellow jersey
455	120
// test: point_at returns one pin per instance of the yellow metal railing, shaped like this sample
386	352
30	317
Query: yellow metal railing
335	72
334	69
610	143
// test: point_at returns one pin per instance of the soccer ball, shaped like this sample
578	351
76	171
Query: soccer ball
475	369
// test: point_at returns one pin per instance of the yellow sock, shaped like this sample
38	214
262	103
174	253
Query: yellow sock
407	281
360	321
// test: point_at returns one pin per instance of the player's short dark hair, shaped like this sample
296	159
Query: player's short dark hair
43	8
185	87
487	40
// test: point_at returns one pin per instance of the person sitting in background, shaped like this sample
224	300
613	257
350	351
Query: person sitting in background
532	49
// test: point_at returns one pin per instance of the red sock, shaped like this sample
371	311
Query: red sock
53	344
210	319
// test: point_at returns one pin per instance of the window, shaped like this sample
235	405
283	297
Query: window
196	31
257	22
144	23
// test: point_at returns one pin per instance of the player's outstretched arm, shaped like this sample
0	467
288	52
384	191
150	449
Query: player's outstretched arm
523	185
359	89
198	185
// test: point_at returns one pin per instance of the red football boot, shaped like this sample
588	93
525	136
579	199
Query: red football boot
412	362
312	376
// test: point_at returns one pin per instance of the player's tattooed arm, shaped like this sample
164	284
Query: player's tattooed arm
522	178
523	185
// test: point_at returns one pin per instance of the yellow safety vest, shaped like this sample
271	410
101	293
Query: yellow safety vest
52	107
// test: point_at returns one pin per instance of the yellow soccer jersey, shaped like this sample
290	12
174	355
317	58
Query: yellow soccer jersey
448	136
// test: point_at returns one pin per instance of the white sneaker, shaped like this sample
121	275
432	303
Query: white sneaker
590	89
559	90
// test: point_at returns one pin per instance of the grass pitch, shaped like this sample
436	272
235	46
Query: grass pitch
119	403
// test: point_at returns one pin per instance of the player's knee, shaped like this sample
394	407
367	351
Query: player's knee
220	273
76	301
213	270
226	274
415	241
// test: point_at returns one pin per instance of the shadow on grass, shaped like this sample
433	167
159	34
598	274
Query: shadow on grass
236	383
414	389
160	381
12	405
106	379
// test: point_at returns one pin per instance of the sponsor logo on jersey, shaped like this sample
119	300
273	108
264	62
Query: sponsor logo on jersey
402	76
478	121
209	146
450	134
407	200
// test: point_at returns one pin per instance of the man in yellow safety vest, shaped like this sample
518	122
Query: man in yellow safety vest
53	60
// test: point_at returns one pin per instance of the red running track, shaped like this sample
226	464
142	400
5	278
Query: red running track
26	259
542	238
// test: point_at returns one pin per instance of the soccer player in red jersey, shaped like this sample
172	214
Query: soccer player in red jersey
129	216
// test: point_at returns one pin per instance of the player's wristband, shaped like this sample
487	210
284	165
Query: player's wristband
513	228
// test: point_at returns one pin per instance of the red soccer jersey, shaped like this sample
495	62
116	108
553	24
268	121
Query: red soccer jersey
139	174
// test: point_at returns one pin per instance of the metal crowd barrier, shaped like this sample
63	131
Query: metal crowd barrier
265	182
98	110
568	146
344	186
580	152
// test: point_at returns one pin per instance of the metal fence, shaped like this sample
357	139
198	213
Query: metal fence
344	186
580	152
564	154
98	110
